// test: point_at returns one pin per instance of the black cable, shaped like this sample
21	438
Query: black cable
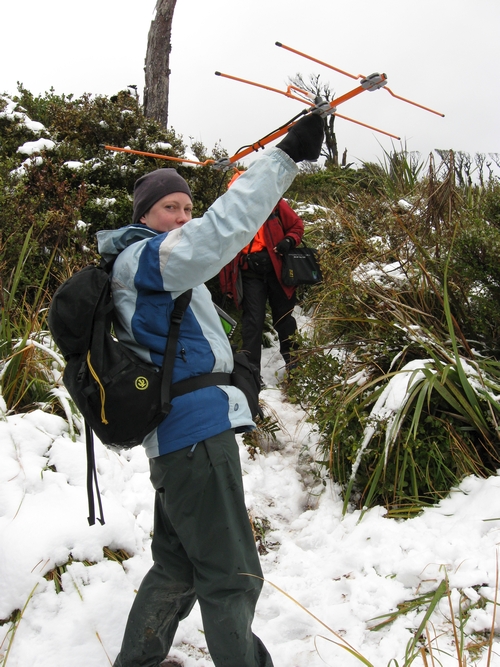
292	120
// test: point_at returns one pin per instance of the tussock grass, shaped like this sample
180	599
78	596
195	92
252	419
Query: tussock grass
57	572
444	607
401	371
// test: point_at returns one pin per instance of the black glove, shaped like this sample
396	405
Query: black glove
304	139
285	245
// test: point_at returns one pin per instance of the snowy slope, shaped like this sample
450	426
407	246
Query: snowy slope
343	570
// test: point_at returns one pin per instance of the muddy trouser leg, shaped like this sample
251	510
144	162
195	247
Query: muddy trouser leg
166	596
254	314
283	319
200	498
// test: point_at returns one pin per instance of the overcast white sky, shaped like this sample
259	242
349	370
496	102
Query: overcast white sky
440	53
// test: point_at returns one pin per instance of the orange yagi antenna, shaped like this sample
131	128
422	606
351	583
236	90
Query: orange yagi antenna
369	83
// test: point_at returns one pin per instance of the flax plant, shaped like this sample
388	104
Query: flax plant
432	421
26	356
397	174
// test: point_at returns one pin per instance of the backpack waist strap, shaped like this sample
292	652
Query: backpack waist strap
249	384
200	382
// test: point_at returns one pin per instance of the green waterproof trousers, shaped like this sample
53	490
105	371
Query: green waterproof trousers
202	547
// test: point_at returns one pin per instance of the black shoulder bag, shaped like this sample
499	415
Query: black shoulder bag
301	267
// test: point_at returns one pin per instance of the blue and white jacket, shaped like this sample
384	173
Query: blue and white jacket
152	269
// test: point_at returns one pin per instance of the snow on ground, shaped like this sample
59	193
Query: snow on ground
343	570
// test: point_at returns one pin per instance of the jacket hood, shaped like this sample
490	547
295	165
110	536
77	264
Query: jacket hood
111	242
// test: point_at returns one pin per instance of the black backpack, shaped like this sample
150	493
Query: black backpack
121	397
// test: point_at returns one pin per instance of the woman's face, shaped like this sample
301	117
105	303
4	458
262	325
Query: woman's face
169	212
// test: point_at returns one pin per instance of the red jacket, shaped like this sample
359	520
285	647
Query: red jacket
282	222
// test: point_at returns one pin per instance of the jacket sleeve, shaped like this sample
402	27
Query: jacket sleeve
191	255
293	226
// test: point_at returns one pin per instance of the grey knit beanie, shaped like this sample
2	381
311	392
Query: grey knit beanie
154	186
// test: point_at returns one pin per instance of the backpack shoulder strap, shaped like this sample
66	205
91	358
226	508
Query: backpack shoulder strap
167	368
170	391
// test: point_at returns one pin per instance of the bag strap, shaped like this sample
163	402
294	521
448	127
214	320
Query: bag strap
200	382
244	255
167	368
92	478
274	214
169	390
277	216
213	379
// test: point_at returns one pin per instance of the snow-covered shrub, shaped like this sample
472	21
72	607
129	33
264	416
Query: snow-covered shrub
55	171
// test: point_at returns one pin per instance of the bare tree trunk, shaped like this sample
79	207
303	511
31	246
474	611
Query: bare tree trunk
157	61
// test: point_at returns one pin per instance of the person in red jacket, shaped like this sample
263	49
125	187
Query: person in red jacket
254	277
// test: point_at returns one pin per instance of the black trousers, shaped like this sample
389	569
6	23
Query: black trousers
257	290
203	549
